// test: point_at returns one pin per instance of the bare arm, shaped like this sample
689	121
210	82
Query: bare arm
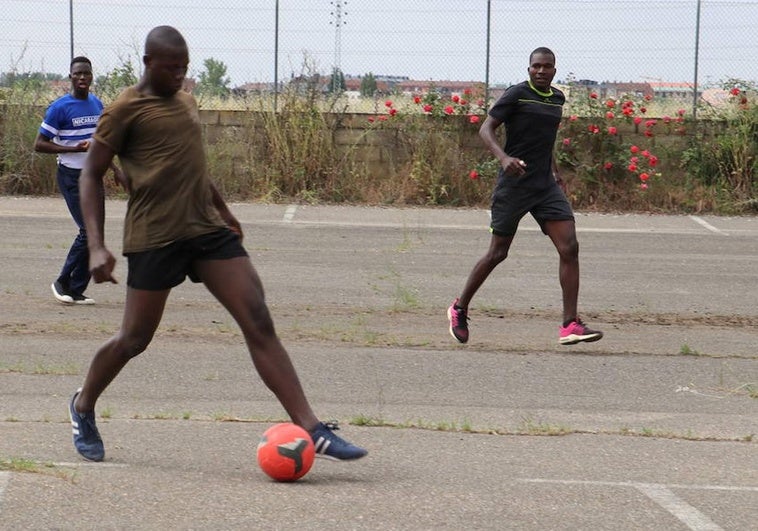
43	144
92	197
223	209
511	165
557	176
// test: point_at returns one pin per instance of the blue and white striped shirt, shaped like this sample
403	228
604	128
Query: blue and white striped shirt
70	120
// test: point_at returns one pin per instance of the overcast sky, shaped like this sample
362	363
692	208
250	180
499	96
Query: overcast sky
612	40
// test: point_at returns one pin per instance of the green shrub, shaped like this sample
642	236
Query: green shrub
725	155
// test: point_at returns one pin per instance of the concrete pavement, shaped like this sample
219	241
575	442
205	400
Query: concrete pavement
651	428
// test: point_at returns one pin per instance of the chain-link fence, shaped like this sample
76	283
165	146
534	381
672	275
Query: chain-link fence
253	43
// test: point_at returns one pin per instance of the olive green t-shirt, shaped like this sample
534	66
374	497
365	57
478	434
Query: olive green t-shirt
159	145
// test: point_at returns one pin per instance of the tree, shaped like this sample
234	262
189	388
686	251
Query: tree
214	81
337	82
27	79
368	85
113	82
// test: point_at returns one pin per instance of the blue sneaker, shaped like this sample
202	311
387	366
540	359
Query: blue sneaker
87	439
331	446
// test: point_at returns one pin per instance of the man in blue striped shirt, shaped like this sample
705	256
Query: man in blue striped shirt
66	130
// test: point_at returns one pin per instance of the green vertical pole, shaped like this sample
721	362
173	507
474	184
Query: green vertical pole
697	60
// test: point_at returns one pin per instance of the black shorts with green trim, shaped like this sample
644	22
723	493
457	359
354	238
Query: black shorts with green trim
510	204
168	266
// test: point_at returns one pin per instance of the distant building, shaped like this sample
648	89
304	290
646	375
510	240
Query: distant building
664	89
443	87
250	89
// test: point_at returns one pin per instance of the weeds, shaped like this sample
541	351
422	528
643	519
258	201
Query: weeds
16	464
424	150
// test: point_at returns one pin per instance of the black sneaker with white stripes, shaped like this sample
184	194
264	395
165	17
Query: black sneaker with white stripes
331	446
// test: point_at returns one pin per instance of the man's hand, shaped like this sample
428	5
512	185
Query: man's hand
513	166
560	182
234	225
121	178
101	265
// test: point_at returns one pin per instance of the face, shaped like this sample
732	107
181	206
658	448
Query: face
168	68
81	79
542	70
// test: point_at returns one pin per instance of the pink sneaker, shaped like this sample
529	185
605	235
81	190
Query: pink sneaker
458	318
577	331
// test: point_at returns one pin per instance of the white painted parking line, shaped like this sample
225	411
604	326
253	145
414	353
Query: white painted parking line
682	510
289	214
80	464
707	225
663	496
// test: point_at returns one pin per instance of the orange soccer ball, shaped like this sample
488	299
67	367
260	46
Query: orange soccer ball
286	452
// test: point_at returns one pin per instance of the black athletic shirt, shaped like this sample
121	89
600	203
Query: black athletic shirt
531	119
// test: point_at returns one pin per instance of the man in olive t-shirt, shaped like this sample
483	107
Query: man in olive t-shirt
177	225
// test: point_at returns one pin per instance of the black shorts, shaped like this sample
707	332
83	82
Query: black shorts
510	204
168	266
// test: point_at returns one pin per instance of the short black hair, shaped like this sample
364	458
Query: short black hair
543	50
80	59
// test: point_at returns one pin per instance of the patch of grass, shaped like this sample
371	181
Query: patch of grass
529	427
21	465
685	350
406	298
751	389
363	420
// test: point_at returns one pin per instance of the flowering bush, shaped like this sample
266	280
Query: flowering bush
433	132
594	141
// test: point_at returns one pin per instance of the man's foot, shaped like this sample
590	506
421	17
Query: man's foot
61	293
576	331
87	439
82	299
332	446
458	318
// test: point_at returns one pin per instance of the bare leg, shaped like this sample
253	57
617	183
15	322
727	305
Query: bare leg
142	314
237	286
497	252
563	235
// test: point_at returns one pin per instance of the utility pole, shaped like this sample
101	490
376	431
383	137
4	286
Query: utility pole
487	59
338	13
276	56
71	25
697	60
